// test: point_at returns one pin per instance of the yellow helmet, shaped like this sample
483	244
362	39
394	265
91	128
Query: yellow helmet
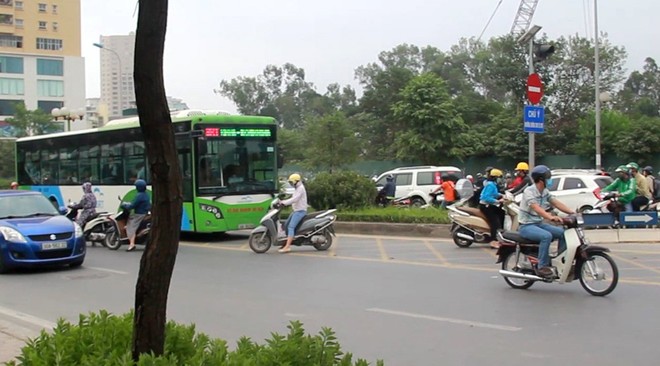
495	173
294	178
522	166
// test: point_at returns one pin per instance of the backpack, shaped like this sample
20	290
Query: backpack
656	188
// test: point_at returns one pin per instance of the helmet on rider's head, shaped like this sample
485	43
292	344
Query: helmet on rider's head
522	166
495	173
541	173
622	169
13	185
87	187
140	185
294	179
648	169
389	177
633	165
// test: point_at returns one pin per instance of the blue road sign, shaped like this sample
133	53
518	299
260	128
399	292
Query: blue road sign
641	218
599	219
534	118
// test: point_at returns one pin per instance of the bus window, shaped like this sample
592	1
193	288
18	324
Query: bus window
112	171
134	162
68	167
49	167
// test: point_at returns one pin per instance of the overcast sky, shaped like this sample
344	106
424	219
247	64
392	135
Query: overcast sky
211	40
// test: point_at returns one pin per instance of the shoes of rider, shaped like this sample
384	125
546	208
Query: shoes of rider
545	271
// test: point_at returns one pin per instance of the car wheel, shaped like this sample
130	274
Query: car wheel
417	202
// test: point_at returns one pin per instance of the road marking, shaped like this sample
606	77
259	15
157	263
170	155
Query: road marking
107	270
381	249
636	263
436	253
406	238
446	320
244	246
42	323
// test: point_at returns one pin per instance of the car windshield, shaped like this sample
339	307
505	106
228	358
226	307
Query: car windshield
18	206
603	182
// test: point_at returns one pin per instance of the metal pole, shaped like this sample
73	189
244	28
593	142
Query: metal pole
597	82
530	156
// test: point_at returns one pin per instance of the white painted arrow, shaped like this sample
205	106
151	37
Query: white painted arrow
644	218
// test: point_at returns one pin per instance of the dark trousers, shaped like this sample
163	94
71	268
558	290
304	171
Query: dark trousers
638	202
495	216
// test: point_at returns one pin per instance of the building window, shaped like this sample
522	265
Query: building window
19	23
42	8
10	86
47	105
5	2
54	9
50	88
6	19
8	40
42	25
56	26
18	5
49	44
11	65
50	67
8	107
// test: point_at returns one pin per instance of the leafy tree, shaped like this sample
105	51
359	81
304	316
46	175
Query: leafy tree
330	142
641	92
7	158
612	125
291	145
429	121
158	260
641	141
31	123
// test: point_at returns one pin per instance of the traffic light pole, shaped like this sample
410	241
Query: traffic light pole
530	156
597	82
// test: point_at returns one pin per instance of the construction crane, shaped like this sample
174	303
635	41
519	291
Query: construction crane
524	16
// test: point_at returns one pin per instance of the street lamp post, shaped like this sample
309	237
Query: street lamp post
597	83
67	115
121	79
528	38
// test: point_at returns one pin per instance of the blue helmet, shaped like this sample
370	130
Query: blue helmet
140	185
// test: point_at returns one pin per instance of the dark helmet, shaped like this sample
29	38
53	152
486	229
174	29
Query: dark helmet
140	185
389	177
541	173
488	169
648	169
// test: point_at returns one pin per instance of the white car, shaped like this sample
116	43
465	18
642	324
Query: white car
577	190
416	182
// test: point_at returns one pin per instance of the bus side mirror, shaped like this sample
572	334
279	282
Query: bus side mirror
280	160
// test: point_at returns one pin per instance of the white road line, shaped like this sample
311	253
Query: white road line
446	320
107	270
42	323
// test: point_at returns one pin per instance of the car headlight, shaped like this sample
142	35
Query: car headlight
12	235
78	230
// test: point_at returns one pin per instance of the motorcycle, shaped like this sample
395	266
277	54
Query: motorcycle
591	265
315	229
469	225
383	201
115	234
94	228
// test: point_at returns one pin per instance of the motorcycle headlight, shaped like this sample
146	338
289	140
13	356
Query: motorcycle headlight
78	230
12	235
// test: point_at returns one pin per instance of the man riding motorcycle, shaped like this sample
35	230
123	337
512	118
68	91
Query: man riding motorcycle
625	188
522	179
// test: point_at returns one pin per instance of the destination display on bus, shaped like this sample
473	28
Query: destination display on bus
237	132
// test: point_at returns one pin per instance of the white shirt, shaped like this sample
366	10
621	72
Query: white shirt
299	199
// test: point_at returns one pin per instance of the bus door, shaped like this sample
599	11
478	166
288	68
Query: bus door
184	151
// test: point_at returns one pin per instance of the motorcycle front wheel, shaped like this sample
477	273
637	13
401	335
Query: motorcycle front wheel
260	243
111	240
509	264
599	274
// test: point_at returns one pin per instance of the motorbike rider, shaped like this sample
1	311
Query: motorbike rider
388	192
643	189
653	183
479	186
141	206
13	185
626	189
536	202
87	204
489	204
448	188
298	202
522	179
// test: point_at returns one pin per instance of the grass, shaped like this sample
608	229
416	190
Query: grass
396	215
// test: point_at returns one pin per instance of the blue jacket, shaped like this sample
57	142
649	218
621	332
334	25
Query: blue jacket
141	203
490	193
390	189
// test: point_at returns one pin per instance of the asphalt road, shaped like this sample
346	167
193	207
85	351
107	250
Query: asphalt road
408	301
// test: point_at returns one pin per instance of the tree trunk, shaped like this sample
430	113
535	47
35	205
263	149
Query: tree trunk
158	259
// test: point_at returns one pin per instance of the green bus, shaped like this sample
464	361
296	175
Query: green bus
229	166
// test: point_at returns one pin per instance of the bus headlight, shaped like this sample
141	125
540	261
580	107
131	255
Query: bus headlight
211	209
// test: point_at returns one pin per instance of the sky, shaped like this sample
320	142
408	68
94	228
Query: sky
213	40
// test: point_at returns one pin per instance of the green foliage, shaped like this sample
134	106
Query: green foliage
340	190
104	339
429	120
612	126
395	215
330	142
7	160
31	123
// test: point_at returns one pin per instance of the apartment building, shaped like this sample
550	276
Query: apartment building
40	56
117	87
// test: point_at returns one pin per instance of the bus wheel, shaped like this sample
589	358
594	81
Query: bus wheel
260	243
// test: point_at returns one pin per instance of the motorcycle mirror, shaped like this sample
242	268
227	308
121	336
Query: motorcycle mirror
119	197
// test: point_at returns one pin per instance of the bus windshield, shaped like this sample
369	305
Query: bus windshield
235	165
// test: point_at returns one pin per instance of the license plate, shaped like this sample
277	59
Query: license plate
51	246
245	226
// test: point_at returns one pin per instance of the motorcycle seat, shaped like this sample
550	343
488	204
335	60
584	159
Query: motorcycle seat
473	211
515	236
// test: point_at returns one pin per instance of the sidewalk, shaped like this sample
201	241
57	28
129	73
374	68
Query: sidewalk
12	338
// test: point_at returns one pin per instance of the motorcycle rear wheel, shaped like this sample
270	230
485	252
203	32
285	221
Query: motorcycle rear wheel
260	243
328	242
460	242
508	264
111	240
605	267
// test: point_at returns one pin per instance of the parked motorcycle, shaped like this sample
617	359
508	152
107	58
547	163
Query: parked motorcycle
94	228
316	229
115	234
469	225
596	270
